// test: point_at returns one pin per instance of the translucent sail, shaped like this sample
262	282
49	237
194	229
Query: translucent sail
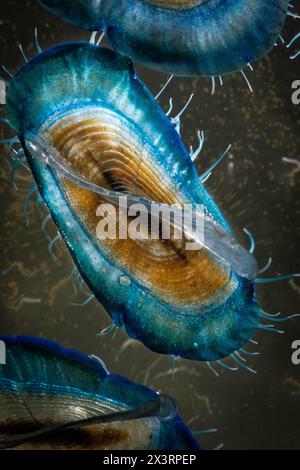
214	237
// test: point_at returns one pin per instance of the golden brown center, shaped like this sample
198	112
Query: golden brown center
30	412
112	157
176	4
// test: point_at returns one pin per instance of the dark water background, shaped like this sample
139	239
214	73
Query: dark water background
254	188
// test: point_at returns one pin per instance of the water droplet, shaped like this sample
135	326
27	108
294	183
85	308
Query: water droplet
124	281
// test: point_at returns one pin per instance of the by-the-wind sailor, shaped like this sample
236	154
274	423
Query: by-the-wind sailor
182	37
92	132
56	398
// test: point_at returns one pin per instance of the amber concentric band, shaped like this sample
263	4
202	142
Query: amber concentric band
106	150
176	4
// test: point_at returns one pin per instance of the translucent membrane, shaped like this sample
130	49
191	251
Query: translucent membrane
163	406
214	238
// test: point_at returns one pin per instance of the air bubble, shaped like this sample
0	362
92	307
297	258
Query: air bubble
124	281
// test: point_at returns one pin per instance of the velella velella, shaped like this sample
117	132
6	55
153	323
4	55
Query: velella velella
182	37
91	131
57	398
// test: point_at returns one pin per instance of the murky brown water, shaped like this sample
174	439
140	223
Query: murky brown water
254	188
